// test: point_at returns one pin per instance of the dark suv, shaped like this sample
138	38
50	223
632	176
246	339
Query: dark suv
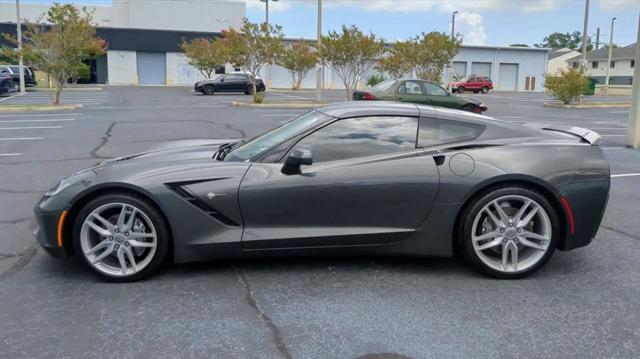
6	82
14	71
235	82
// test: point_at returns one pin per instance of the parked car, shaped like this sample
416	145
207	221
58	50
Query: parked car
6	82
419	92
472	83
234	82
14	71
357	178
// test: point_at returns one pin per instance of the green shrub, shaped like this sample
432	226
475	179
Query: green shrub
567	85
257	98
375	79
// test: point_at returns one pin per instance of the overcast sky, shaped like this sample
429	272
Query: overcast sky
481	22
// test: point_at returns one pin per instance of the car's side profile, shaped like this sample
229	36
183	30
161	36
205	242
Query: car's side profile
475	83
233	82
419	92
14	72
371	178
6	82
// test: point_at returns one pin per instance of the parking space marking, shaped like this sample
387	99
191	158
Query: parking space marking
31	128
614	148
281	110
10	97
509	117
281	115
43	114
9	154
40	120
613	135
608	128
625	175
618	111
20	138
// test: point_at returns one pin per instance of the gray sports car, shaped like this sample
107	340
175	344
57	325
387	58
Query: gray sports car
372	178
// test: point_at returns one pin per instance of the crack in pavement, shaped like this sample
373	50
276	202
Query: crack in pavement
275	331
47	161
15	221
4	256
9	191
103	142
23	259
619	231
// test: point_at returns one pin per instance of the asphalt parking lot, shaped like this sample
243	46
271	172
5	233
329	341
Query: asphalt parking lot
583	304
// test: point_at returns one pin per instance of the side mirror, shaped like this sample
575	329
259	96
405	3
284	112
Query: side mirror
296	159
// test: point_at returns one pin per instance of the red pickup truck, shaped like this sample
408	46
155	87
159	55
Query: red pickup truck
475	83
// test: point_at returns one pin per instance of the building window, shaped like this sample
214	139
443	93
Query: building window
574	64
633	63
594	64
612	65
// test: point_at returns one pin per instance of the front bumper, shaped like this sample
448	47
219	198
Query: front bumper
46	232
197	87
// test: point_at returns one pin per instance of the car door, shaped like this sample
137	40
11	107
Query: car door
368	185
234	82
411	91
221	84
437	95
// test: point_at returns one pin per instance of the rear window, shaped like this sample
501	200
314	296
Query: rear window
437	132
15	69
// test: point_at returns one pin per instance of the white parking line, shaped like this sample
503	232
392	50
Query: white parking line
44	114
20	138
509	117
281	110
607	128
625	175
31	128
618	111
9	154
41	120
613	135
10	97
614	148
281	115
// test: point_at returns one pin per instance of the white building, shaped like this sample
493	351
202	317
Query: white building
622	64
559	60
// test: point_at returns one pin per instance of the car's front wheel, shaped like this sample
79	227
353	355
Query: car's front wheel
121	237
484	89
208	90
469	108
509	232
460	89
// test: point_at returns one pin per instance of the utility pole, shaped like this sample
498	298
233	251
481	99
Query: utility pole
20	60
585	30
320	70
606	80
453	37
633	133
267	68
597	39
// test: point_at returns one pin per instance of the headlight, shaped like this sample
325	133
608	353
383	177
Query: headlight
57	189
77	177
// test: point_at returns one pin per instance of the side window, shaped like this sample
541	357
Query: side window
360	137
411	88
437	132
434	90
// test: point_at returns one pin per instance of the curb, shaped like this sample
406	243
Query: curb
36	89
5	108
289	104
587	105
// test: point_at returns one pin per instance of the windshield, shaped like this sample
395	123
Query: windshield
15	69
384	85
260	144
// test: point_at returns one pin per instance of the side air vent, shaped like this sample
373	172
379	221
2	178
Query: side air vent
202	205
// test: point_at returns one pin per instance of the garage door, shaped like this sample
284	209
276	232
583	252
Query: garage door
481	68
508	79
152	68
459	69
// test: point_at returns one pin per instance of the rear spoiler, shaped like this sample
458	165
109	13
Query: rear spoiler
586	135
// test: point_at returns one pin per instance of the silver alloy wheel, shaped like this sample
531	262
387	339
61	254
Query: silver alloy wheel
118	239
511	233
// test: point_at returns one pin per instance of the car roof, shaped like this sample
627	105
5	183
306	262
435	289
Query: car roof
369	108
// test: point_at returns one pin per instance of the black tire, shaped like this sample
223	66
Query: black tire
162	230
208	90
484	89
249	90
473	208
475	91
460	89
469	108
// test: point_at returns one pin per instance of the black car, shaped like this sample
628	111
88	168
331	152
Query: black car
14	72
229	83
356	178
6	83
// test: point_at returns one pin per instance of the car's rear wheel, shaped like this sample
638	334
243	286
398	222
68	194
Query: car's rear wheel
509	232
122	238
460	89
209	90
484	89
469	107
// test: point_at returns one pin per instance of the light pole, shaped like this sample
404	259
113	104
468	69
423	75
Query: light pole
319	72
585	29
267	69
606	79
20	61
453	37
633	139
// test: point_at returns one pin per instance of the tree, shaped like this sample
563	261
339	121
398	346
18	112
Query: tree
558	40
567	85
59	45
298	59
518	45
351	54
254	46
434	51
399	59
205	55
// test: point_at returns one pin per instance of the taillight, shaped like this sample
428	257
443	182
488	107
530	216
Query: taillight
367	96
